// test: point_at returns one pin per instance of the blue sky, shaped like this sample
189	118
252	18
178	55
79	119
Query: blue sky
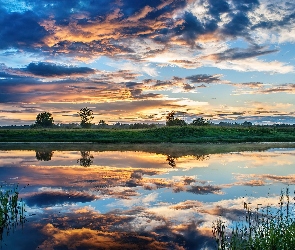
134	61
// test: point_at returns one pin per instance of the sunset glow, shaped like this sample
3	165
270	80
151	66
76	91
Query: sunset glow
225	60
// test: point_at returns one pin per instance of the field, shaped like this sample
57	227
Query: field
187	134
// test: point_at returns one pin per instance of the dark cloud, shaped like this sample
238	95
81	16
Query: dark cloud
91	49
203	78
73	27
51	198
20	30
194	239
238	26
188	87
192	27
218	7
204	189
245	5
240	53
50	69
62	11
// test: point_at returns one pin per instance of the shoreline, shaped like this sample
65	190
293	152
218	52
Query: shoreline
172	149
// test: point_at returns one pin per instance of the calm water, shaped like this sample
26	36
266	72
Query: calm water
124	199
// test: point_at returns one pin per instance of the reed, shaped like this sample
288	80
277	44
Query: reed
12	210
263	228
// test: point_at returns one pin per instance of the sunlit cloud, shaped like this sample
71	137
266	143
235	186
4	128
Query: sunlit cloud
161	51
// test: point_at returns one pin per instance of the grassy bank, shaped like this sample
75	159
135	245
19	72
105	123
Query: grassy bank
188	134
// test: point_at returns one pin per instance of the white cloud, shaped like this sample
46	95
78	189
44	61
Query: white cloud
253	64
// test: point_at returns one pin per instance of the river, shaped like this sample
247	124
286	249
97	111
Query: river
150	197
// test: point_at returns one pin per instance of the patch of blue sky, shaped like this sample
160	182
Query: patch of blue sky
101	205
284	54
16	5
101	63
17	59
238	43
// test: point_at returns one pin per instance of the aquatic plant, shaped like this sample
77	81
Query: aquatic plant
263	228
12	210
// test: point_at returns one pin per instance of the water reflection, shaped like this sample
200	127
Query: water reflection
44	155
86	159
134	199
171	161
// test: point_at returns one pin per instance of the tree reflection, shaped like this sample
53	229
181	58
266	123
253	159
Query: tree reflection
171	161
86	159
202	157
44	155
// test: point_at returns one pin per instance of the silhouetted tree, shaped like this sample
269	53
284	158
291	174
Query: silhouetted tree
247	124
141	126
86	116
44	119
44	155
172	121
102	123
200	122
86	159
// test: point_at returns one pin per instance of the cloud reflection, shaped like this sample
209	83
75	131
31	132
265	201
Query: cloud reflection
132	198
52	198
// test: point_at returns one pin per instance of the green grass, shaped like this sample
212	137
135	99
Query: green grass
186	134
263	229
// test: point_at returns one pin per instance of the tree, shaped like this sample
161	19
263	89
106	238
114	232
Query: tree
200	122
44	119
86	116
102	123
170	116
247	124
172	121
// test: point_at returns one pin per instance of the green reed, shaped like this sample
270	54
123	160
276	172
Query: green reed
12	210
263	228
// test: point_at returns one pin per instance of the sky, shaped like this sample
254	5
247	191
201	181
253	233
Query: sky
135	61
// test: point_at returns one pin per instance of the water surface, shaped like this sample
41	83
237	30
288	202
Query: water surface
156	197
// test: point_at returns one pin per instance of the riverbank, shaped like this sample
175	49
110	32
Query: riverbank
173	149
187	134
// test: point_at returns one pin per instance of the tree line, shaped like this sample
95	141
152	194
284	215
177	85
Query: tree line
45	119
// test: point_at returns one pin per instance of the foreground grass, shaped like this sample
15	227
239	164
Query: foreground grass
187	134
263	229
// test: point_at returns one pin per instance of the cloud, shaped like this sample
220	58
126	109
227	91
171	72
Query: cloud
52	70
260	88
57	198
21	30
139	32
261	179
94	239
241	53
203	78
204	189
253	64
